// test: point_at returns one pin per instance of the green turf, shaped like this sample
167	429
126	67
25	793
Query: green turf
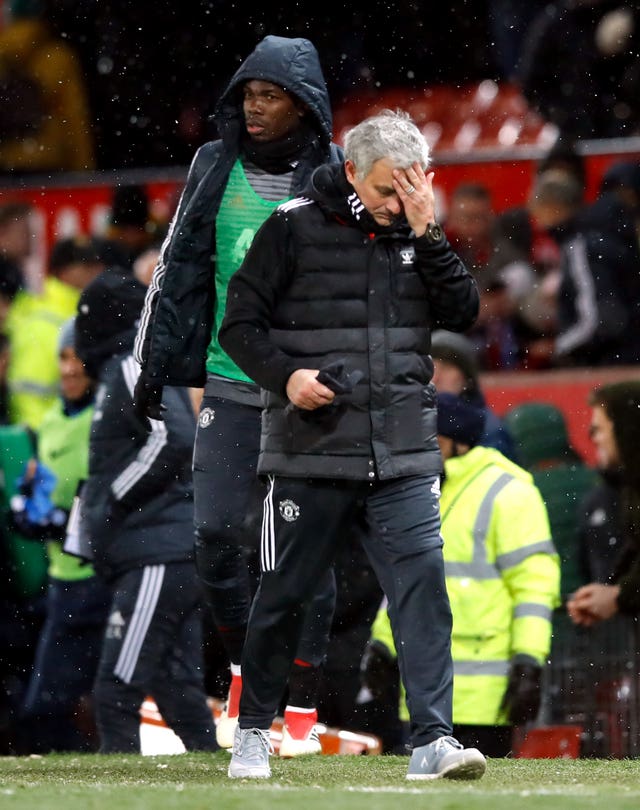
200	782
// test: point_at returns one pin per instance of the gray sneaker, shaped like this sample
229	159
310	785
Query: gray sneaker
445	757
250	755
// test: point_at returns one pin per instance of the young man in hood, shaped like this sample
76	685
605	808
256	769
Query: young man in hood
274	122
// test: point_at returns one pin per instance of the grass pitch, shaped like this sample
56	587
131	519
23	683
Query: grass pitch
200	782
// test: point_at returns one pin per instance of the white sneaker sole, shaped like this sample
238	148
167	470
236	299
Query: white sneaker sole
298	748
471	766
237	770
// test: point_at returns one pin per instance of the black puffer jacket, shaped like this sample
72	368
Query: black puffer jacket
177	318
319	285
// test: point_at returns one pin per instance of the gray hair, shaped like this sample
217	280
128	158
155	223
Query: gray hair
388	134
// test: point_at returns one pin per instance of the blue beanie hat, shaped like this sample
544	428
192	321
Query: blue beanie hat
459	419
67	335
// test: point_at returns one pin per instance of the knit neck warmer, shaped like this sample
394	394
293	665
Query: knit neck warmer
281	156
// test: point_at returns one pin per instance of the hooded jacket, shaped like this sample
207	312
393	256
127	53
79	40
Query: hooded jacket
177	318
322	283
137	502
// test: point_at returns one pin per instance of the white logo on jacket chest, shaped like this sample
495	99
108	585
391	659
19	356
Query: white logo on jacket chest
408	255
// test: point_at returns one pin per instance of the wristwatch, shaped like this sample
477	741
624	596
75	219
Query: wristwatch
434	232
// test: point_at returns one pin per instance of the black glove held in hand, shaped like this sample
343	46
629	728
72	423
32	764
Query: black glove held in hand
521	701
147	399
336	378
378	668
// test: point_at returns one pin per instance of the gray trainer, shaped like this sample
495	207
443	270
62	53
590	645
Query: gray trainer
446	758
250	755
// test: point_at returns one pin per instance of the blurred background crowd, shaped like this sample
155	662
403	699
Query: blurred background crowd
143	85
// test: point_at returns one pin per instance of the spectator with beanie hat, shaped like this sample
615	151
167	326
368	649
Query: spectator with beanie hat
137	523
502	577
542	446
455	371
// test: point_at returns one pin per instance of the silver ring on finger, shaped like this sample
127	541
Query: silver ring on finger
410	189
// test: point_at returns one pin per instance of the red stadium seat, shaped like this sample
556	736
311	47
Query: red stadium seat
481	115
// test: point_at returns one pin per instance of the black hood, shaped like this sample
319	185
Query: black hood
292	64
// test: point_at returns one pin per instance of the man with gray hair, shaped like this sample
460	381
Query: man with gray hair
331	314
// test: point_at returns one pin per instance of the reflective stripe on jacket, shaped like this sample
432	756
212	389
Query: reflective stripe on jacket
503	578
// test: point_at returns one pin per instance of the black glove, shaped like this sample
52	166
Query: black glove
378	668
147	399
521	701
54	528
336	378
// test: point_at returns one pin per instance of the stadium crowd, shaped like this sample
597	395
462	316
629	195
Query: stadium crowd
559	288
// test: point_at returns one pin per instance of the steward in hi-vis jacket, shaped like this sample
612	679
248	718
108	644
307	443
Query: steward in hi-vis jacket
503	579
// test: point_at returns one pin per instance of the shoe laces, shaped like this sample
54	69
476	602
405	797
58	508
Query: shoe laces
447	742
254	742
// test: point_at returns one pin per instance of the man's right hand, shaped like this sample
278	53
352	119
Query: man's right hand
305	392
147	399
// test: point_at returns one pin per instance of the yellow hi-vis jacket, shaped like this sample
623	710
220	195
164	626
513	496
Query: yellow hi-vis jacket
33	327
503	579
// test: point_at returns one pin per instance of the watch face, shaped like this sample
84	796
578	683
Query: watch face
434	232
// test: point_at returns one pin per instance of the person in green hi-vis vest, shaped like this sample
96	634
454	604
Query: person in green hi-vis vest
275	126
56	711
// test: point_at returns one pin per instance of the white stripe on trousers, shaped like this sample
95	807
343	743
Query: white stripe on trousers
268	533
150	587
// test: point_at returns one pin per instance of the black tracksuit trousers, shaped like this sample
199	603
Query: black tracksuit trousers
227	514
304	522
153	647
